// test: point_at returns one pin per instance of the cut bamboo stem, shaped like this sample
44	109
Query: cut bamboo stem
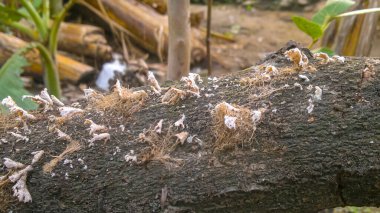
69	69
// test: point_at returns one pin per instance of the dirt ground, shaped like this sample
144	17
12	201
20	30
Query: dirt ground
258	33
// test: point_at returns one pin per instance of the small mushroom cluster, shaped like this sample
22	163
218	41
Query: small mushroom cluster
19	175
97	131
173	95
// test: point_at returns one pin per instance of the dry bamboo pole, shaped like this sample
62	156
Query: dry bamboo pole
69	69
146	27
353	35
161	6
84	40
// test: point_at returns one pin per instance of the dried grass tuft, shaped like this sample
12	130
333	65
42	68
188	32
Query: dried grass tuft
6	198
7	121
159	147
173	95
124	101
228	138
72	147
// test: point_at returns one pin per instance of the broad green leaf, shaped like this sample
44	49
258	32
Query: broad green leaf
326	50
358	12
314	30
11	83
331	9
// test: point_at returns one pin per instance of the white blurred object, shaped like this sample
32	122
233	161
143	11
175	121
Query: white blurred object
108	71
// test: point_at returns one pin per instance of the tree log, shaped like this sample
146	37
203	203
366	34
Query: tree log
69	69
84	40
294	161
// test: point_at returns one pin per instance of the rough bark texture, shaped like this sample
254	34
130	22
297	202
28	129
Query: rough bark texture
294	162
179	39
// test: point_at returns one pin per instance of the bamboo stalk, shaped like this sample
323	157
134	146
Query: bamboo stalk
69	69
84	40
145	26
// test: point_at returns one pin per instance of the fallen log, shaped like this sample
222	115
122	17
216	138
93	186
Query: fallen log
84	40
69	69
296	158
145	26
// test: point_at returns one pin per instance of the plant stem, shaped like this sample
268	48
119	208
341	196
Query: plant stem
21	28
46	12
51	76
55	7
53	37
312	44
208	39
42	29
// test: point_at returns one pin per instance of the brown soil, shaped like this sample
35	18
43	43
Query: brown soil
261	32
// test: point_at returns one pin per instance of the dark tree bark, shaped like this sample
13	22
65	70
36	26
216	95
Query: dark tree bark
294	161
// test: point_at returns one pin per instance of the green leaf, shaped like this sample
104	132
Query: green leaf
326	50
10	14
11	83
358	12
331	9
314	30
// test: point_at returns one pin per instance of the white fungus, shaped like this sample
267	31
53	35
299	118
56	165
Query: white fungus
119	88
37	156
318	93
95	127
153	82
256	116
298	85
158	127
19	137
179	123
304	77
297	56
271	70
62	135
69	111
21	191
45	95
98	137
228	106
57	101
11	164
17	175
192	86
230	122
338	58
13	108
310	108
89	93
130	156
